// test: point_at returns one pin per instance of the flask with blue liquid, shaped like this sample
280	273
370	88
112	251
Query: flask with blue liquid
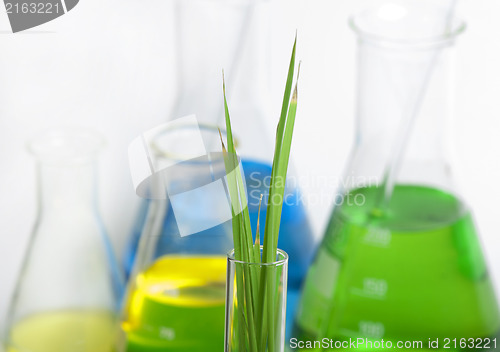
187	273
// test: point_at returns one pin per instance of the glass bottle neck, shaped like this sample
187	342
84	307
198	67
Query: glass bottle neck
404	103
70	188
213	36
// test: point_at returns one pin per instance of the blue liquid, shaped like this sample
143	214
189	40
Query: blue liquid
295	238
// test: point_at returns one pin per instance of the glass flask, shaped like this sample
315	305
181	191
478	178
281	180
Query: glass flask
66	297
401	259
239	45
175	298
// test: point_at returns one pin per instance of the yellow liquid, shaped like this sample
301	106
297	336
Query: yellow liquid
64	331
177	305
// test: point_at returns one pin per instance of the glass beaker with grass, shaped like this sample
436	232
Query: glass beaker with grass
401	259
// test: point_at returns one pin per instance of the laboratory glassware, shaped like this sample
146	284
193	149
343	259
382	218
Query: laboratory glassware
66	296
401	259
234	36
236	332
175	298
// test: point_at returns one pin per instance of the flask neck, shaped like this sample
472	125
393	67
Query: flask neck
67	189
217	36
397	88
213	36
404	104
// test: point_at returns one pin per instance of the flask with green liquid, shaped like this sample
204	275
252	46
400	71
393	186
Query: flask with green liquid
176	291
401	259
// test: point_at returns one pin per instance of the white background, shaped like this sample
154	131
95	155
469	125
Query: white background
108	65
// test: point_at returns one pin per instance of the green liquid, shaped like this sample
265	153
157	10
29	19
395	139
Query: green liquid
411	272
177	305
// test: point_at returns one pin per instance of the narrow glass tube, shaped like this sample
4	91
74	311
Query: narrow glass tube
256	305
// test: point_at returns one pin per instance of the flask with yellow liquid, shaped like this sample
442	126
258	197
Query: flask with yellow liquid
66	297
176	294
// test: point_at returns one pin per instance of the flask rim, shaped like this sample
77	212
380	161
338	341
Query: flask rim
162	152
66	145
455	26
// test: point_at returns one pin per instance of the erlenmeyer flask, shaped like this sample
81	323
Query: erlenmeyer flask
233	35
176	293
401	259
66	297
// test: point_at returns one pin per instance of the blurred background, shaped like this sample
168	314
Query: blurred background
109	65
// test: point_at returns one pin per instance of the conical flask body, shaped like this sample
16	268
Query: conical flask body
67	294
414	274
401	259
239	45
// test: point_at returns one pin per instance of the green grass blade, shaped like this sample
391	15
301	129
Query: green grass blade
242	233
275	215
249	305
256	246
268	256
233	193
288	88
240	196
284	160
257	286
